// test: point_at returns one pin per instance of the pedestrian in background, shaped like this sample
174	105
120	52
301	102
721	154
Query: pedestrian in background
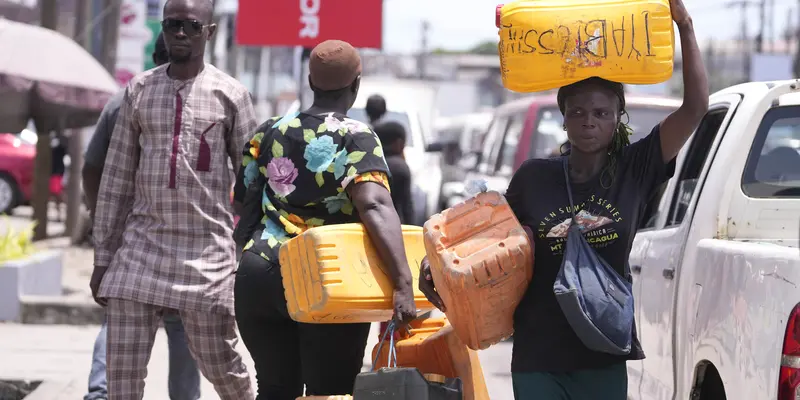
164	220
611	181
375	109
317	167
184	378
393	139
58	147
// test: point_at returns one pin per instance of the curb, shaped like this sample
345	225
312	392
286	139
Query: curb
48	390
58	310
15	389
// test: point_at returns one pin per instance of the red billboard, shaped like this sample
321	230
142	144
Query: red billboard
309	22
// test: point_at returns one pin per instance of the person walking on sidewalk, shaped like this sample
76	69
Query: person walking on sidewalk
308	169
184	378
612	180
58	148
164	219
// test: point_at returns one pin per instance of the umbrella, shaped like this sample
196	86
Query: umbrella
47	77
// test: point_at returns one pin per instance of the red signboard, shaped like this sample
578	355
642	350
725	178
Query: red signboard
309	22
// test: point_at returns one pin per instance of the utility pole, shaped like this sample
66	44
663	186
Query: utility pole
423	54
44	157
797	43
762	14
772	40
711	63
744	41
111	36
74	198
788	32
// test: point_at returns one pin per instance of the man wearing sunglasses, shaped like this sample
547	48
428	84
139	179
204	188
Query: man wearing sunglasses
164	222
184	378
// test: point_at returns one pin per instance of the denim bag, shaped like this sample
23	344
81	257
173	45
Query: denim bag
595	299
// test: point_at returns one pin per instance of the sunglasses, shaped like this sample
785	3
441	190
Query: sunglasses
191	27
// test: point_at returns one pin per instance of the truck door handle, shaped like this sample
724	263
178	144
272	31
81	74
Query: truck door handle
669	273
636	269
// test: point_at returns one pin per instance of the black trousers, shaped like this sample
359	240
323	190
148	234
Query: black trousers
324	357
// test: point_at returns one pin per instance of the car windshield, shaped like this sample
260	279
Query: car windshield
402	118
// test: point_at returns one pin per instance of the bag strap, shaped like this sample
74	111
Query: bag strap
626	267
392	348
569	188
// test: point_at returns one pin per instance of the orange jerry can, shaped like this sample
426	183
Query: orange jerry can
432	347
481	263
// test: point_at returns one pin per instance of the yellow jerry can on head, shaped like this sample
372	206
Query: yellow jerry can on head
333	274
547	44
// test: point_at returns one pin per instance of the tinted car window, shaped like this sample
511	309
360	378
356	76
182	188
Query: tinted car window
505	164
773	166
491	142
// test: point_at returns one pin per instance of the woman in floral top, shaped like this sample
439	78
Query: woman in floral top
313	168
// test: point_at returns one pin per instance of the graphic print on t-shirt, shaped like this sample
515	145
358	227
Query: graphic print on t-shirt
596	218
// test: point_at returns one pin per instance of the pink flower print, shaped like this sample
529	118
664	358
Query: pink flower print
281	173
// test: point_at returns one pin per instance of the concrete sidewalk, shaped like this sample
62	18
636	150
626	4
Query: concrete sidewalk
62	354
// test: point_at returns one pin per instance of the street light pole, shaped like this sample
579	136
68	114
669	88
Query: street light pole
74	198
111	36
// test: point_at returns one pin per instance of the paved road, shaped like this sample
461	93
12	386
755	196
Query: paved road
63	353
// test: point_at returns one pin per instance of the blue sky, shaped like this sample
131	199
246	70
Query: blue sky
458	24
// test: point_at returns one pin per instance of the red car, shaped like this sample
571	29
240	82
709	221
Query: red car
17	154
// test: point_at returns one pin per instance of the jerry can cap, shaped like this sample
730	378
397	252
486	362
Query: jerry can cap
498	11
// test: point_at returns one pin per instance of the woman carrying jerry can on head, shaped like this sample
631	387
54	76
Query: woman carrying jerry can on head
609	182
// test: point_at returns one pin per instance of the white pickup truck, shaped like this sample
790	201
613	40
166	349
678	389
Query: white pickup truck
716	264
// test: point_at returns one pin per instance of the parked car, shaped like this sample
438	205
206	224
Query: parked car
532	127
456	137
716	266
17	154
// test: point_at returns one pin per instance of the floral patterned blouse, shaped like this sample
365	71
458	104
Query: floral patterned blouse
305	163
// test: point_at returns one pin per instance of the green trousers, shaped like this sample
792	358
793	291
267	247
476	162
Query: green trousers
609	383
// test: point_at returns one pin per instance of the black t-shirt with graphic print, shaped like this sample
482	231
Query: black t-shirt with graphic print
543	339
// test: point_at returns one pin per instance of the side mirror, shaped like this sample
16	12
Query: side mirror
470	161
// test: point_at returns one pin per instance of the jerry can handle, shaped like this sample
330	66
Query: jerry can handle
392	348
